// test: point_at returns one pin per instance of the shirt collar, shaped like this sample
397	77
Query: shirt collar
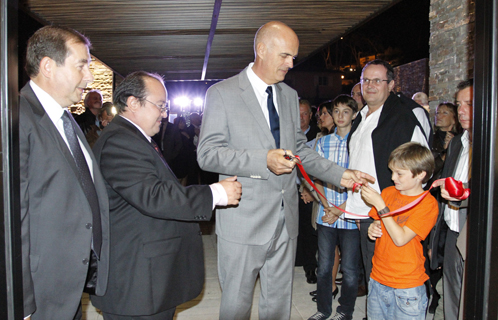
140	129
465	138
339	137
366	108
53	109
256	82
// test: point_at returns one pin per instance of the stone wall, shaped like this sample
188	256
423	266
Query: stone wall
451	47
103	82
411	77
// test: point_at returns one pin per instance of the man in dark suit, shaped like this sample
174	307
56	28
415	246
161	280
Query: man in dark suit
169	140
452	220
156	247
64	204
307	241
89	119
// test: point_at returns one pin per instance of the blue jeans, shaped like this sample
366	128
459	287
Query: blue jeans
349	244
386	303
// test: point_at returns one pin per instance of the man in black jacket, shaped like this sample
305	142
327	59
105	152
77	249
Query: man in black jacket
307	241
89	118
452	219
386	122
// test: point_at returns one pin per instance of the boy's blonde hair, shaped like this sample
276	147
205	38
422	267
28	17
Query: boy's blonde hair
414	157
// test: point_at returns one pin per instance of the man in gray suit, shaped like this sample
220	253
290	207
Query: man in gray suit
64	205
251	122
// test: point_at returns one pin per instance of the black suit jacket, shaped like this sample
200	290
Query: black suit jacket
157	258
56	218
312	132
438	233
169	141
86	120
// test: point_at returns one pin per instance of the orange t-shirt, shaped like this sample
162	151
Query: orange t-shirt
403	267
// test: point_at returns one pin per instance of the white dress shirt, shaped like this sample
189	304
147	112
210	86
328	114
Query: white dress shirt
55	111
451	215
361	157
259	87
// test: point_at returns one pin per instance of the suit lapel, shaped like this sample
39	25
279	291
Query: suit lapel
120	121
49	127
284	113
455	154
252	104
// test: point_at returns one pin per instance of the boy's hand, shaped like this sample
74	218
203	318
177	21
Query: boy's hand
372	197
375	230
330	218
331	215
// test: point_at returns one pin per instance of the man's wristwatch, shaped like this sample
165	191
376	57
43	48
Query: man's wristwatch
383	211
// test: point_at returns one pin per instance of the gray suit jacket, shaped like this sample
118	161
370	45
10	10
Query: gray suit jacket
56	217
235	139
156	258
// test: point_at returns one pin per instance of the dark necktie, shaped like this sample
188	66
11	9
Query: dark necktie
274	119
156	147
85	179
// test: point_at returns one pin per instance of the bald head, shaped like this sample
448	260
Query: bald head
420	98
275	47
271	30
356	95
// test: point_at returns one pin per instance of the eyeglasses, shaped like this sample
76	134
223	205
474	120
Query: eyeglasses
163	108
376	82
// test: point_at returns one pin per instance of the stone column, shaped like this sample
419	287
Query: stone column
451	48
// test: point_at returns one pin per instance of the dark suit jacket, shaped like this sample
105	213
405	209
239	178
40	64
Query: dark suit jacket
169	141
438	233
157	258
86	120
312	132
56	217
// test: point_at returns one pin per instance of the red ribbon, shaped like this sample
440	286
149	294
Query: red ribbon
454	188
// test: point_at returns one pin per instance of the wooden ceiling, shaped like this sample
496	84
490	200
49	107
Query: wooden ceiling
171	37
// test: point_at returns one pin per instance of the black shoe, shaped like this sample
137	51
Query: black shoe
434	302
313	293
334	293
338	281
311	276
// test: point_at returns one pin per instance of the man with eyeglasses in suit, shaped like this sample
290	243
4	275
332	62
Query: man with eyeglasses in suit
156	257
386	122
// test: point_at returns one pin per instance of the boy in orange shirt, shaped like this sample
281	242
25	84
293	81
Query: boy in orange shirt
396	288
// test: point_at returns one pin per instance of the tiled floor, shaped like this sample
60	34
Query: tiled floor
206	305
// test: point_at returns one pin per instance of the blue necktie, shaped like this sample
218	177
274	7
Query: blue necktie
85	179
274	119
